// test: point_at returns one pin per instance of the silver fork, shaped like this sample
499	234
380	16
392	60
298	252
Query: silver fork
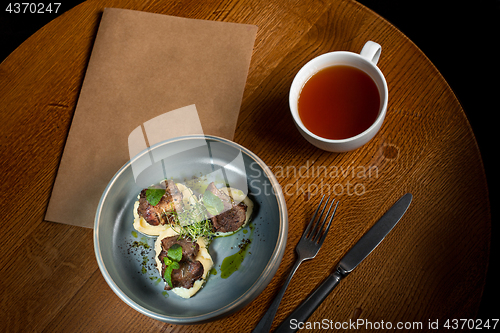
307	248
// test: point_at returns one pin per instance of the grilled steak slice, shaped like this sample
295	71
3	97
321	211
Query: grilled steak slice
190	270
189	249
233	215
231	219
186	275
169	203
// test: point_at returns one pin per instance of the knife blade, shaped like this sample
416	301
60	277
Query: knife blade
366	244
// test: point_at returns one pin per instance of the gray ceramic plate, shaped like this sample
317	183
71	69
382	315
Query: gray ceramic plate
126	257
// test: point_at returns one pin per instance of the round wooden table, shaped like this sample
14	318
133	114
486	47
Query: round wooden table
430	268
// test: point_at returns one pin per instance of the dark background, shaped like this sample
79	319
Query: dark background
461	38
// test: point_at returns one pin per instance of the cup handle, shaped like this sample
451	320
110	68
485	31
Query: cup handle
371	51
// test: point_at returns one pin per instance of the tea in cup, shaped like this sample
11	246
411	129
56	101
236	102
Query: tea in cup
339	99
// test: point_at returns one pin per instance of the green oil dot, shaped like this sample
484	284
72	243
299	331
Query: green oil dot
134	233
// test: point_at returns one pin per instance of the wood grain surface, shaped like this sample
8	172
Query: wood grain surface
432	266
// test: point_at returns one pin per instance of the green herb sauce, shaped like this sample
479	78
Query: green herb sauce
232	263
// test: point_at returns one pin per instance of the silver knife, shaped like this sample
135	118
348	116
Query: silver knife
356	254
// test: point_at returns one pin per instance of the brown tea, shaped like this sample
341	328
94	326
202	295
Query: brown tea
339	102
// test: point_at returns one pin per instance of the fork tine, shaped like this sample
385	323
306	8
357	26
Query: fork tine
306	232
329	224
318	233
315	229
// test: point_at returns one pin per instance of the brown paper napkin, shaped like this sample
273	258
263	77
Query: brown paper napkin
142	66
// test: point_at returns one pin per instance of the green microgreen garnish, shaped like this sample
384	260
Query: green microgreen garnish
212	203
198	229
193	222
174	255
154	195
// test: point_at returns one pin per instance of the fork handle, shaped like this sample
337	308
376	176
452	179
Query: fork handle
266	322
311	303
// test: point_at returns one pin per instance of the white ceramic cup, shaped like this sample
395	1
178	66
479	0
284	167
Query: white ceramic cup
365	61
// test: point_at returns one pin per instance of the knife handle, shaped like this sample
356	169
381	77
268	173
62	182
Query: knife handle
311	303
